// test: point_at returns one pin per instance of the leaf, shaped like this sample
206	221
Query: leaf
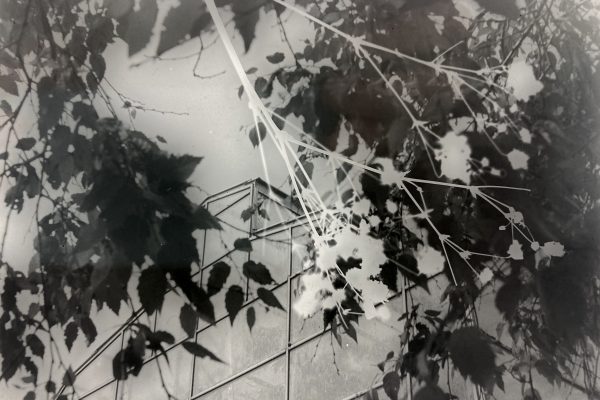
472	355
8	83
50	387
51	100
29	396
234	299
4	156
69	377
151	288
247	213
257	138
202	219
200	351
431	392
161	139
35	345
71	332
182	23
89	329
250	317
391	384
276	58
136	27
188	319
269	298
217	277
243	244
25	144
6	108
257	272
98	65
245	20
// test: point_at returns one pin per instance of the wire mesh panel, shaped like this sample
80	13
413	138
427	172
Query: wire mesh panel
267	353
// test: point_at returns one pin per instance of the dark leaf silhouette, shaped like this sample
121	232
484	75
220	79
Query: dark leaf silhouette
71	332
250	317
35	345
243	244
431	392
257	272
217	277
276	58
391	384
234	299
25	144
507	8
202	219
200	351
269	298
136	27
472	355
257	137
9	85
89	329
182	23
151	288
188	319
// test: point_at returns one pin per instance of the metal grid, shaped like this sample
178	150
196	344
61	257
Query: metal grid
249	190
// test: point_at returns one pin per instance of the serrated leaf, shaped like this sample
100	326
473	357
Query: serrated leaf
276	58
136	27
183	22
243	244
151	288
234	300
217	277
472	355
202	219
257	272
250	317
200	351
89	329
25	144
188	319
269	298
247	213
35	345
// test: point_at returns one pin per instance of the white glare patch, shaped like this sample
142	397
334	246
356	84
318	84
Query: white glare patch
518	159
454	156
485	276
522	81
430	261
525	135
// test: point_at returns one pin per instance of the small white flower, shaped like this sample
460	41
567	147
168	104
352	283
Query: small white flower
515	251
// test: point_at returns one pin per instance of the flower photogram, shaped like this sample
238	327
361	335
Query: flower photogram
300	199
